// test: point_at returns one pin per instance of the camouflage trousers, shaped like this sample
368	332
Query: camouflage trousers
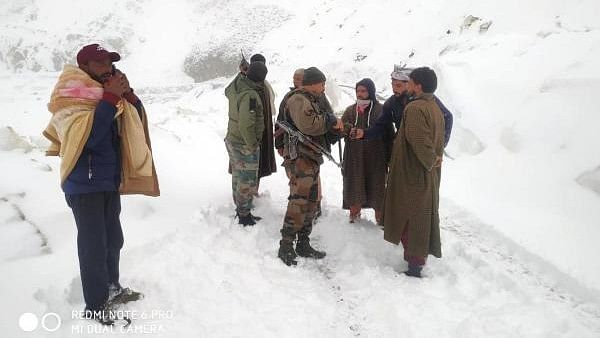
303	199
244	175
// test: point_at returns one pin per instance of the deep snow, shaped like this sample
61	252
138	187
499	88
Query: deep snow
520	209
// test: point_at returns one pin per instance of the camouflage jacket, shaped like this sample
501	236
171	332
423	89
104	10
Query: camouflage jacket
304	110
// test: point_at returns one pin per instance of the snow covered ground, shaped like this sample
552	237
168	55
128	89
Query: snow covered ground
521	203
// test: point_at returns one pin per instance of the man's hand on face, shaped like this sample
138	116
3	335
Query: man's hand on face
116	85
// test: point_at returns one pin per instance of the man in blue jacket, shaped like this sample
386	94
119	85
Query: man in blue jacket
393	109
92	187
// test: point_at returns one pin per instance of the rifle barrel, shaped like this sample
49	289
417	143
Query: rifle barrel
307	141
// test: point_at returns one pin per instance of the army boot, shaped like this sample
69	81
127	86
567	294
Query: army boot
303	249
287	253
246	220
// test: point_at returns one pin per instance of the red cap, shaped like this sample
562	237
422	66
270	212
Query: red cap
95	52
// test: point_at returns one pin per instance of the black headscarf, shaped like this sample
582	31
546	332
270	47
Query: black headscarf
368	83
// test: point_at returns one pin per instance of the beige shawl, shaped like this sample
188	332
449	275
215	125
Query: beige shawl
72	104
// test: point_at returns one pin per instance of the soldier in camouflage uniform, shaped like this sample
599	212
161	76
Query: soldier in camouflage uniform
302	164
324	106
244	133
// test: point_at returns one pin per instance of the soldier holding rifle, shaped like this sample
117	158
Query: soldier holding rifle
302	163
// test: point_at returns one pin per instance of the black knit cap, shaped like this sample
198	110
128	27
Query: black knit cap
313	75
258	57
257	71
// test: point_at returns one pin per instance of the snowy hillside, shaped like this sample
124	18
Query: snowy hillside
521	198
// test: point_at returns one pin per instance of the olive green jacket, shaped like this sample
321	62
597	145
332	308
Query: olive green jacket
246	123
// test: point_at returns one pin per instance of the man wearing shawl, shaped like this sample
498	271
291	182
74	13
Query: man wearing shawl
99	129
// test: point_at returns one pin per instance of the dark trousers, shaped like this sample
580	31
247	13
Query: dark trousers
99	241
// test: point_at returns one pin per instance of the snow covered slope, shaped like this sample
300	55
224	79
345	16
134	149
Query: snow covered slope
521	198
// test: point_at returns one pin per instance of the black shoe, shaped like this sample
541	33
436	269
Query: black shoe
102	315
254	217
247	220
414	271
287	253
107	315
303	249
121	295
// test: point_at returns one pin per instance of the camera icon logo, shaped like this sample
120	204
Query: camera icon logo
50	322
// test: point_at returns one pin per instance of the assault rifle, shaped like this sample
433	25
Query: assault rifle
244	63
295	133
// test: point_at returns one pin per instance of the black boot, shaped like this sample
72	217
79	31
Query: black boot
107	315
287	253
247	220
120	295
414	271
104	315
303	249
254	217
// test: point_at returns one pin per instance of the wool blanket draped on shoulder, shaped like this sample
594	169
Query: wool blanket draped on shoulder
72	104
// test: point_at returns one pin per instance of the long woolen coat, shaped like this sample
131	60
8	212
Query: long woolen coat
267	164
412	194
364	162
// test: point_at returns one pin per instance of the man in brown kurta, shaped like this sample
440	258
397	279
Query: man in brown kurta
364	160
411	201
